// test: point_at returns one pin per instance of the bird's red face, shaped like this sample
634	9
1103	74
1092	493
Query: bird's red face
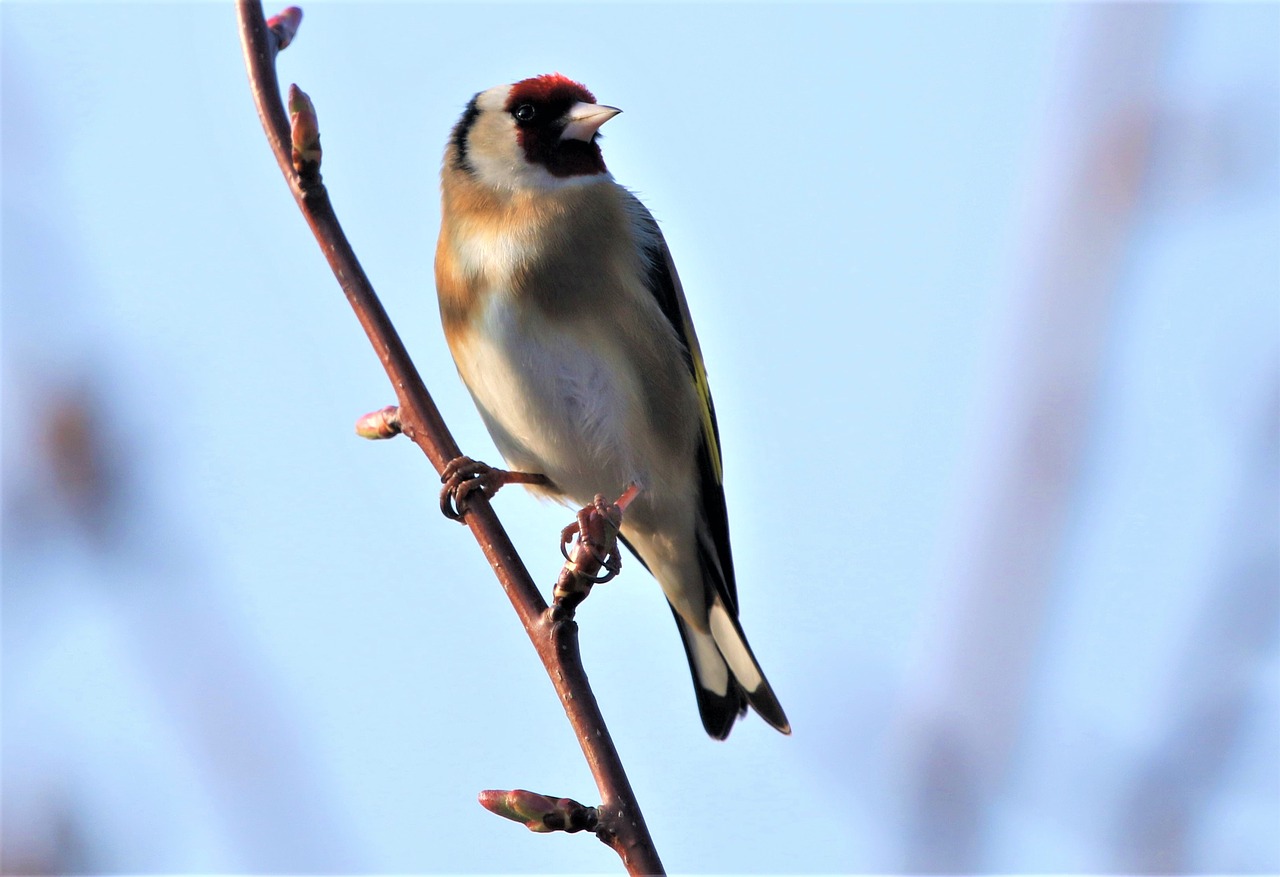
556	124
538	134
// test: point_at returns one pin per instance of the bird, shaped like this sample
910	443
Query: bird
567	322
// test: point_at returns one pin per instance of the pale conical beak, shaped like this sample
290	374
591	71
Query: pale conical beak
585	120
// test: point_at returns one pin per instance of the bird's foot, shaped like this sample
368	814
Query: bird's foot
597	530
463	476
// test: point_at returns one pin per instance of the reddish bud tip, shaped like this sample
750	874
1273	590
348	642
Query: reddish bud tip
381	424
520	805
285	26
538	812
304	130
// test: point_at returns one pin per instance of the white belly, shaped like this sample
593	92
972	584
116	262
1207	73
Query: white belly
562	403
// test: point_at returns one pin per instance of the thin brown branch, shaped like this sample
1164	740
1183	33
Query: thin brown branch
553	634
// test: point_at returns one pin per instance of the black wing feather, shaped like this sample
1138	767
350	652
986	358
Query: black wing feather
664	285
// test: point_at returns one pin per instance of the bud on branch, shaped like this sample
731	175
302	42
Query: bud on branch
304	131
285	26
540	813
381	424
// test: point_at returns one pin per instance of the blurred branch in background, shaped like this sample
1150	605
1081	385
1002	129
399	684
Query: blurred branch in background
1142	133
107	607
1130	712
74	478
1220	675
965	709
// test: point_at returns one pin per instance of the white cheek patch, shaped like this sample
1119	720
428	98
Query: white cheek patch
510	170
734	648
537	176
497	158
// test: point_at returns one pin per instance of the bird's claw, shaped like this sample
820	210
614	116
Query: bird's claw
589	529
463	476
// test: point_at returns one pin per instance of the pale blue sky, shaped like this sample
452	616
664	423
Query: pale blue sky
846	191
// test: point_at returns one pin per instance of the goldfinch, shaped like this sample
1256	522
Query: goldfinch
567	322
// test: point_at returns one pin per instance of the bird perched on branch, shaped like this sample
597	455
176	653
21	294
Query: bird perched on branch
568	324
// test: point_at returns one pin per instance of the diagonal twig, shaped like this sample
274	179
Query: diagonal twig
553	632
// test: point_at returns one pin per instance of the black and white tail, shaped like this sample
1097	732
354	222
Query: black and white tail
726	676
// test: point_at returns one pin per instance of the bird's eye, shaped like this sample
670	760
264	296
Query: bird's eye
525	113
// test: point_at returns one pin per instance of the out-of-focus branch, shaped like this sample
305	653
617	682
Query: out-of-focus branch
552	631
966	702
1221	680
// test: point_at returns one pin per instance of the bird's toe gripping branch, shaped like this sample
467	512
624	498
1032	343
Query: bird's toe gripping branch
463	476
596	529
